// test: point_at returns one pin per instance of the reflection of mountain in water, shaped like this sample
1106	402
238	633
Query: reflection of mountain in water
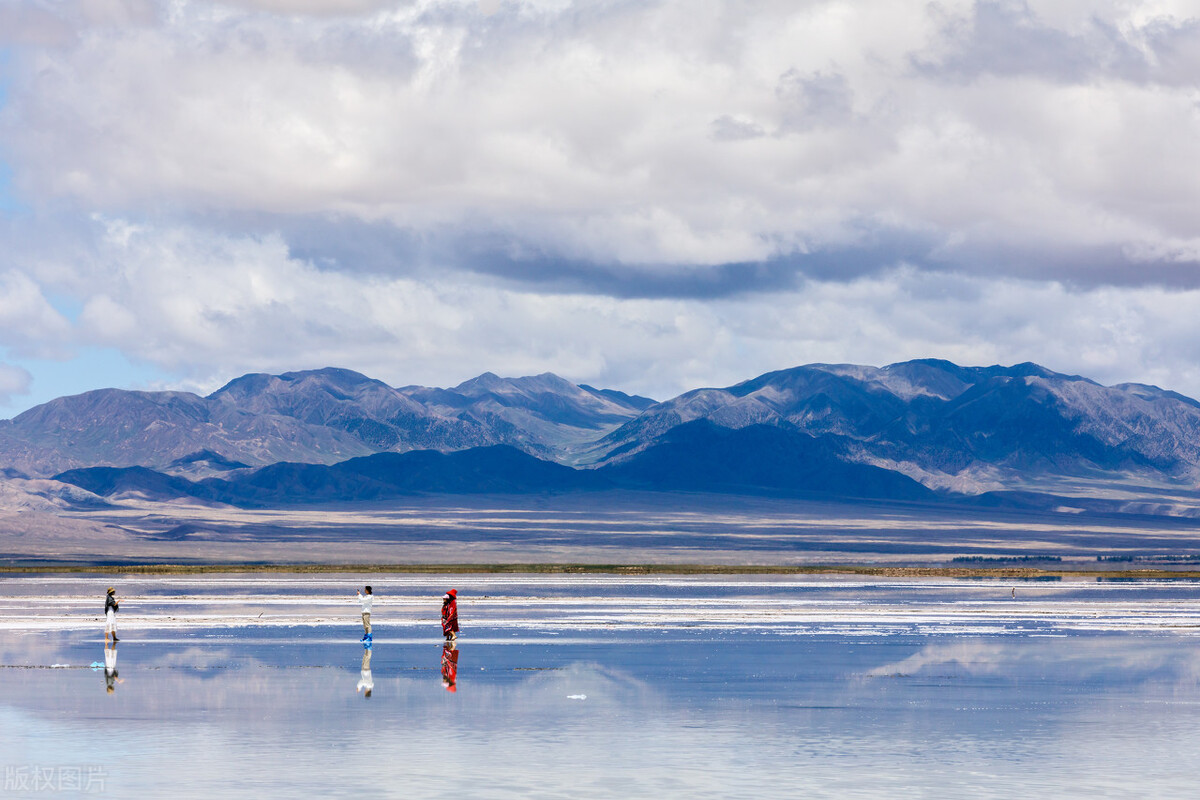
677	718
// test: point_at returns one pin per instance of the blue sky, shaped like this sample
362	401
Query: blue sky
649	197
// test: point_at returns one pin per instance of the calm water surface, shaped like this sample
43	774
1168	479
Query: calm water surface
584	688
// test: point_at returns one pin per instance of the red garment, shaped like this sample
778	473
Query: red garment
449	617
450	668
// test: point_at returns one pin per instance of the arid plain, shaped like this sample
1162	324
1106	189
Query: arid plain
619	528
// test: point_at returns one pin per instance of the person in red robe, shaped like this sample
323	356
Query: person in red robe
450	615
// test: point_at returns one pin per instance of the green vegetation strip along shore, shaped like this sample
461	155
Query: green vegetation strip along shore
605	569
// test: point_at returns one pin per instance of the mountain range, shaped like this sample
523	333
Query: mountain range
952	426
319	416
902	431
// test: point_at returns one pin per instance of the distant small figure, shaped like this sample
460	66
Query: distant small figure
366	600
110	667
110	615
365	682
450	615
1014	594
450	666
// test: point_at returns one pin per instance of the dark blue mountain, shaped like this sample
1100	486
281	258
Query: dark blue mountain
498	469
129	481
208	458
700	456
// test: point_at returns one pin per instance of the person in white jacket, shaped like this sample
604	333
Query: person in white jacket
366	598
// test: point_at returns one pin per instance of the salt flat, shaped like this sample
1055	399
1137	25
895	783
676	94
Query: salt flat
602	686
580	604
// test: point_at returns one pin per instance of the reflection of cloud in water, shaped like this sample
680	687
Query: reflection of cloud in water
1106	659
707	726
31	649
546	693
197	658
306	729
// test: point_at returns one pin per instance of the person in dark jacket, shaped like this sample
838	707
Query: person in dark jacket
450	615
110	615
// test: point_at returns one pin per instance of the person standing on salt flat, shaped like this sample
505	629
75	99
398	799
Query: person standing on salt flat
110	615
450	615
366	599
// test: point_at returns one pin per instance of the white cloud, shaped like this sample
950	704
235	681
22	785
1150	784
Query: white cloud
629	133
650	196
208	307
315	7
29	324
13	381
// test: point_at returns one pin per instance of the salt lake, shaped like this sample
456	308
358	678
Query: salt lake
600	686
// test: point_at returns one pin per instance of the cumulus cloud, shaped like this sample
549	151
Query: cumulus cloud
29	324
652	195
626	136
26	24
14	380
208	306
1008	37
316	7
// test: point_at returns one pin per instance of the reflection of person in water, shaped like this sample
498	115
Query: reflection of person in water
110	615
450	666
365	682
450	615
110	667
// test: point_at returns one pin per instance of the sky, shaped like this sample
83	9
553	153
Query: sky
638	195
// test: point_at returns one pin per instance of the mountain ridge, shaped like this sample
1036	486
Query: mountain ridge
953	428
946	418
316	416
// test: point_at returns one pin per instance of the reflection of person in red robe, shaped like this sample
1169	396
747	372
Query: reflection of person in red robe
450	667
450	614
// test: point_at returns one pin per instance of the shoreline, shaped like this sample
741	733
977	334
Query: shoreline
1033	573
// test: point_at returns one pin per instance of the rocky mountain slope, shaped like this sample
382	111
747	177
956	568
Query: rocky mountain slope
319	416
815	428
935	420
